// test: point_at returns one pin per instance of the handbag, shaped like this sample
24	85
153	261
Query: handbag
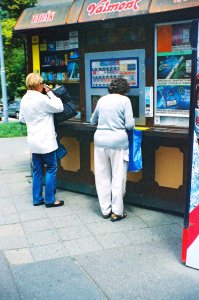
135	150
61	151
69	107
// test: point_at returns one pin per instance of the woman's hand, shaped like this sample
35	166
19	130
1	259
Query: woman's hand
46	88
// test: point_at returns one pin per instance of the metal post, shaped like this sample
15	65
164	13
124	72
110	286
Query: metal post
3	80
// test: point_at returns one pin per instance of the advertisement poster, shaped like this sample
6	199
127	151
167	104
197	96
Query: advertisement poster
173	72
180	37
149	101
173	100
104	71
174	66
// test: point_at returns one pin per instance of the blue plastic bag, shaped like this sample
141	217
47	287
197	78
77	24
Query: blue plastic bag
135	150
61	151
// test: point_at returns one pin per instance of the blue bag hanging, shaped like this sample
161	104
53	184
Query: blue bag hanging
135	150
61	151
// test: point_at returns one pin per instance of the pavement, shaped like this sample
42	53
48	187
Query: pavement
71	252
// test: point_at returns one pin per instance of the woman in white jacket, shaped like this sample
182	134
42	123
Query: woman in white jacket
113	115
37	112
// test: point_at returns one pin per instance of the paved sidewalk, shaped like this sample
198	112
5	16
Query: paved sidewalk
71	252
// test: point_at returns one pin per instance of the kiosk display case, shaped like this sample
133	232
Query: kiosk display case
59	63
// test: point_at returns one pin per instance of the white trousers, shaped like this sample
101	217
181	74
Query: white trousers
110	178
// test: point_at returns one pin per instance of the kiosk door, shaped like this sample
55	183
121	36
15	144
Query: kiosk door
102	67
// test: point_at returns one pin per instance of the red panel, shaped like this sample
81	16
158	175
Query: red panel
190	233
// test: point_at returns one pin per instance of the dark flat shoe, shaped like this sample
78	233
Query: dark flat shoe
61	202
41	203
115	217
107	216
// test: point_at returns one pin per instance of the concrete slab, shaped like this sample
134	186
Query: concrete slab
74	232
48	252
62	211
13	243
157	218
146	271
136	258
56	279
8	288
37	225
19	256
82	245
43	237
11	218
29	215
116	239
65	221
153	234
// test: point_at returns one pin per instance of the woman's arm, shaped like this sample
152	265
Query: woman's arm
128	114
52	104
95	115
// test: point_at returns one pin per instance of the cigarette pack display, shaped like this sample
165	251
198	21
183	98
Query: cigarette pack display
59	45
73	33
51	76
66	45
73	70
51	45
43	47
44	76
73	54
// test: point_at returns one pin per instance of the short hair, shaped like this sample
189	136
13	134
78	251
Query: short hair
33	80
119	86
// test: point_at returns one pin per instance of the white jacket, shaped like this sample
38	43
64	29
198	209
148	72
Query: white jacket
37	111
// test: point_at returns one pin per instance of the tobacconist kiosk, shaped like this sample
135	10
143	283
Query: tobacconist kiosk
84	44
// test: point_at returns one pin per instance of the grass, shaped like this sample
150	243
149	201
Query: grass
14	129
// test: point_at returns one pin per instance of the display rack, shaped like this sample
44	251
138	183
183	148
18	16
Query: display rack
59	60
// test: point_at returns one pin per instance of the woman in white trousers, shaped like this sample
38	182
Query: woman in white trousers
113	115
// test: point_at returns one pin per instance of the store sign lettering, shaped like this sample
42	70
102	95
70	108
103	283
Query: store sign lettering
179	1
105	6
44	17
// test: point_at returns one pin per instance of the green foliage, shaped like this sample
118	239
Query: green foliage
15	7
15	70
14	129
14	46
3	14
7	31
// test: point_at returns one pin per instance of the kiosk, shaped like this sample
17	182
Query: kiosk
84	44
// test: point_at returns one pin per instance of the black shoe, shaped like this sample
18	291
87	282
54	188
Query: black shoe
107	216
115	217
41	203
61	202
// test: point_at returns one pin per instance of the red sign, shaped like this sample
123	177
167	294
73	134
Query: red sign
105	6
43	17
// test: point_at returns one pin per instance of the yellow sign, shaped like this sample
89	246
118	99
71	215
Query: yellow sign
35	39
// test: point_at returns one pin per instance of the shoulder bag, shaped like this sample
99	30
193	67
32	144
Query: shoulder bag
69	107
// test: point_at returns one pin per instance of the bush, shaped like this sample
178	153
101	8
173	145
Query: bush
13	129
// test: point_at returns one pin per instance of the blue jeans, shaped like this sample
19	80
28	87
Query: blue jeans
38	162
